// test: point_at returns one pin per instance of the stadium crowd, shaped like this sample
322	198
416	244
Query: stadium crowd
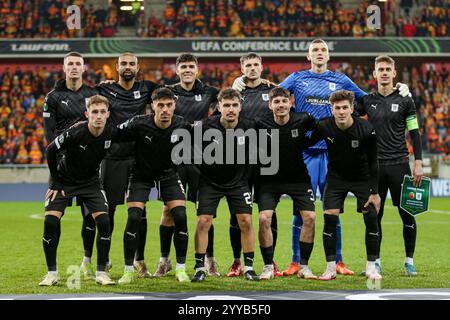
47	19
221	18
298	18
22	94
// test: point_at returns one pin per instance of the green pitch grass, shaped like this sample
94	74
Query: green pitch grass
23	264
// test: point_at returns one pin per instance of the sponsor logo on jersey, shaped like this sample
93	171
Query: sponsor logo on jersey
241	140
374	106
332	86
198	97
355	143
137	94
174	138
317	101
66	102
294	133
265	96
113	93
107	144
394	107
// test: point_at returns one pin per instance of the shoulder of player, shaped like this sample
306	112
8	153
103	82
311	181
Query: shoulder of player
76	130
178	120
246	123
364	124
299	117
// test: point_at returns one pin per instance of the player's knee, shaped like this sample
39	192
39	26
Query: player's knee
245	222
370	218
51	223
204	222
134	215
233	222
102	222
264	221
330	221
179	215
309	219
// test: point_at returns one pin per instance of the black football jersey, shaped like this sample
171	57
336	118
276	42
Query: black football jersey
388	116
153	145
352	153
194	105
231	173
64	107
83	153
124	105
290	140
255	102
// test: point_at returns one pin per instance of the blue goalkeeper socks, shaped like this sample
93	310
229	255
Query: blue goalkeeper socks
297	223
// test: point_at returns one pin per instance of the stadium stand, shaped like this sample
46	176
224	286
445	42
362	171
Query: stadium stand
239	18
46	19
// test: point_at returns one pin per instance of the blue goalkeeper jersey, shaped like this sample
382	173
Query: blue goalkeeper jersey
313	90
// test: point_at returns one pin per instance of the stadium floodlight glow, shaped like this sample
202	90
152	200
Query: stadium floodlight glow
129	8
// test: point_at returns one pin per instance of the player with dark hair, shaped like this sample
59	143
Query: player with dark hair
352	167
221	179
64	106
255	104
391	114
128	97
154	139
195	101
76	174
292	179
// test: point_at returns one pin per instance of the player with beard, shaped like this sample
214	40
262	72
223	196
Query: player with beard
128	97
255	104
64	106
154	139
195	101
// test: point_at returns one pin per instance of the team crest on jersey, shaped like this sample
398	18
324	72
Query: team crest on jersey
332	86
45	107
241	141
394	107
137	94
107	144
198	97
61	139
265	96
355	143
173	138
294	133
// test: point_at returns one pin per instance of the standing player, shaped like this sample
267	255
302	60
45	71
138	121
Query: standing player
128	97
154	140
76	174
219	180
64	106
352	167
255	104
292	179
391	114
195	101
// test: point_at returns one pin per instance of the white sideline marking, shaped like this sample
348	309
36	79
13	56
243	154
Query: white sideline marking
104	298
379	296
